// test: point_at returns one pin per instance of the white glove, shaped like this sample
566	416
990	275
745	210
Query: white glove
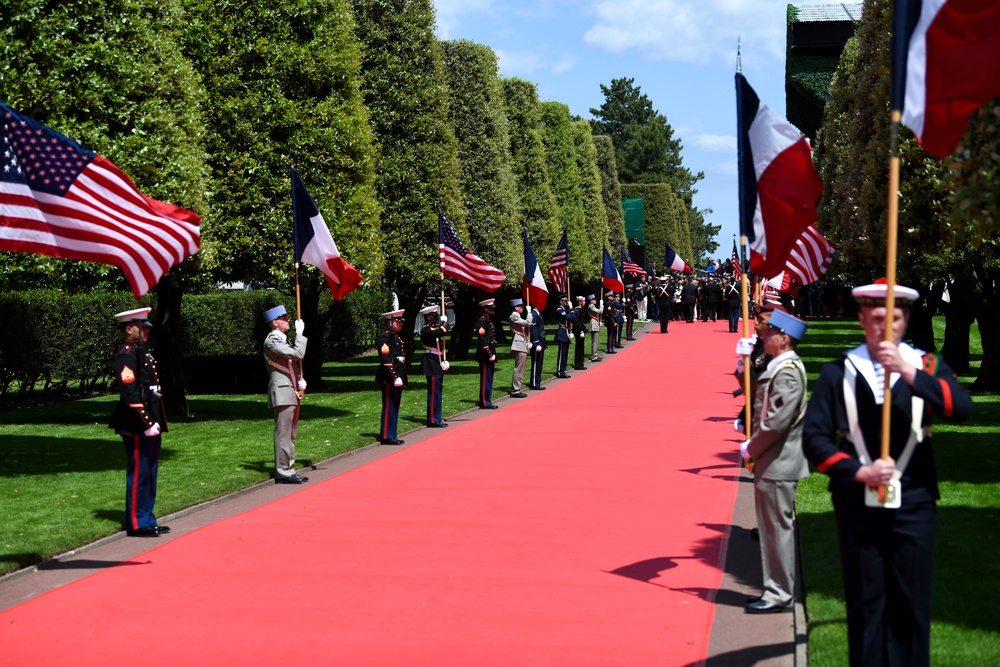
582	334
444	319
744	346
398	382
538	348
493	357
302	385
152	431
445	365
744	449
401	360
300	326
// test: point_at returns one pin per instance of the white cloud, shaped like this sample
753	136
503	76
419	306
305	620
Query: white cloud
527	62
715	143
449	12
692	31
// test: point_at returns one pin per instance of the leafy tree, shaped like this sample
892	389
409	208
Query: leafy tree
538	211
564	177
479	120
611	191
283	80
594	212
489	189
109	74
405	88
644	141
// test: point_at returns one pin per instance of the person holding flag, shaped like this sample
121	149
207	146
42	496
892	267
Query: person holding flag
284	387
520	327
486	354
886	540
433	365
391	375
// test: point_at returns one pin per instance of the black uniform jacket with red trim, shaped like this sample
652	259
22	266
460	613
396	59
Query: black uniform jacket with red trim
486	345
138	407
390	350
828	447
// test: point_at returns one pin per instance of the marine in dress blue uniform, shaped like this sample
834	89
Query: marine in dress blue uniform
391	375
564	320
630	308
486	354
139	419
886	554
433	364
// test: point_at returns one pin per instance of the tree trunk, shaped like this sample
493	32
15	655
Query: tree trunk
921	328
169	361
960	313
988	315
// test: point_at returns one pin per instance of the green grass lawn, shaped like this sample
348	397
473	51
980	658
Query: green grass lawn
966	608
62	480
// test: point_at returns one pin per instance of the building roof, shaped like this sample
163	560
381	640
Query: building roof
841	11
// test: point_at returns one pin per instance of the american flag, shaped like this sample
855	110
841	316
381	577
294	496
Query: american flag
810	257
629	267
557	272
737	264
62	200
458	262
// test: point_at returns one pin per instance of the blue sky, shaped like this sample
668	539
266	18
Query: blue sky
681	53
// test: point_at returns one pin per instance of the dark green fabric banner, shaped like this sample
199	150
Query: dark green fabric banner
635	219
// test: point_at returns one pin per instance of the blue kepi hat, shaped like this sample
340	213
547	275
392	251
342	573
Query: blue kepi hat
788	324
272	314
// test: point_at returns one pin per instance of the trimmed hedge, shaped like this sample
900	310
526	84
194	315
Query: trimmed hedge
56	345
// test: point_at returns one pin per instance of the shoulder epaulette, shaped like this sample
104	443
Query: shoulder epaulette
931	363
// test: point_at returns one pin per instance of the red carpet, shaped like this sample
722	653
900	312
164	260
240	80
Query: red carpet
582	526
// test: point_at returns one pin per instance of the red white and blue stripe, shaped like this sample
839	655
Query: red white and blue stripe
778	184
314	244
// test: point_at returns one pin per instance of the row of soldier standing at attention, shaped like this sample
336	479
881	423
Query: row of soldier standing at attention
140	420
886	542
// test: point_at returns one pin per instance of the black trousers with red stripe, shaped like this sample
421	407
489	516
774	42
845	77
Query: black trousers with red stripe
142	455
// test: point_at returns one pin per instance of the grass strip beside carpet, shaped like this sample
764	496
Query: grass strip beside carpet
62	470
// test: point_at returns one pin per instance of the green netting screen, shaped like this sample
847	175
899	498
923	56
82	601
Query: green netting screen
635	220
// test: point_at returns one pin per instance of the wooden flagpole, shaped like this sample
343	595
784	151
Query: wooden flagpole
891	240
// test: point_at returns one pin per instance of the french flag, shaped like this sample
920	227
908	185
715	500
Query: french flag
314	245
609	274
673	262
535	292
779	187
946	66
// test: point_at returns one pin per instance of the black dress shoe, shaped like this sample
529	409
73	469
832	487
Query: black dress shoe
579	368
488	407
441	425
162	529
755	598
762	607
145	531
392	441
292	479
563	376
755	534
612	351
630	339
538	388
518	394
